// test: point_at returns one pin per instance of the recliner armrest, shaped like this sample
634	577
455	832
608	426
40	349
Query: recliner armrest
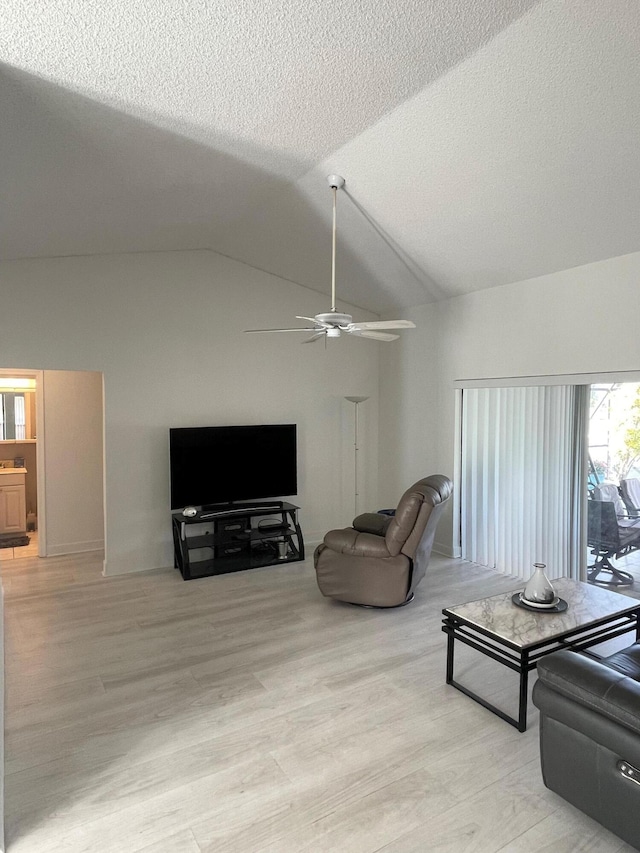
372	522
350	541
592	684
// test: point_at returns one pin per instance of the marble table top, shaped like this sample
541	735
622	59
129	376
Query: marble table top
522	628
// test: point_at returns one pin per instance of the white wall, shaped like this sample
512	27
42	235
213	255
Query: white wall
73	452
165	329
583	320
2	704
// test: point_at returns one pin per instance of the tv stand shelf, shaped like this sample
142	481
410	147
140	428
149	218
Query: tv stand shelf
235	537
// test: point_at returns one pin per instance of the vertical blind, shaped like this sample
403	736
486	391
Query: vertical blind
523	478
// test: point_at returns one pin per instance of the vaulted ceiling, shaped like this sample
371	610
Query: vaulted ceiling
482	141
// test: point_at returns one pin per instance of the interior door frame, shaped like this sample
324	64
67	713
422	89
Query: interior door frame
41	472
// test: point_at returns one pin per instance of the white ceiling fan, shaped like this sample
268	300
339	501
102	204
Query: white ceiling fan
333	323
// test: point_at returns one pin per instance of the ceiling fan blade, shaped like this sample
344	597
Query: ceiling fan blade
315	337
280	330
376	336
383	324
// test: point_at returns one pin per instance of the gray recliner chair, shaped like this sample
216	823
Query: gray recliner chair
590	735
380	560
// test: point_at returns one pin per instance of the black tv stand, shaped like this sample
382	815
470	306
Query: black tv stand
224	538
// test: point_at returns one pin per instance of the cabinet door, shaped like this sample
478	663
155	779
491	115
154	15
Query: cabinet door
13	510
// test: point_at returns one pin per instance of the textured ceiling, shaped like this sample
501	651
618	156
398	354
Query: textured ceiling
486	141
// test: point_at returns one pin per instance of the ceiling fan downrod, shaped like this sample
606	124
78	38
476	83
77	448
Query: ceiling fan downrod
336	183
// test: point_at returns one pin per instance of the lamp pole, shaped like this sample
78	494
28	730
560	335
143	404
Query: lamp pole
356	401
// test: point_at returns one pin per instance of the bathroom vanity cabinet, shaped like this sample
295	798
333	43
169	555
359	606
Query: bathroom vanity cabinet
13	503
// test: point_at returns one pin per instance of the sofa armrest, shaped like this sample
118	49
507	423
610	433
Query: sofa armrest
372	522
593	685
350	541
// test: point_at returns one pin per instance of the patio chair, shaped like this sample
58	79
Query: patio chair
610	537
631	496
611	492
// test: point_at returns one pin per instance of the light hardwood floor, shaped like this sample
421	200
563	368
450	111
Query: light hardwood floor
246	713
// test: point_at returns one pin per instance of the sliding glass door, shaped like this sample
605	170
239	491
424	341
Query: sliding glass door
614	432
614	483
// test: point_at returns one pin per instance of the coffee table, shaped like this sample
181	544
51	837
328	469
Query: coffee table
518	638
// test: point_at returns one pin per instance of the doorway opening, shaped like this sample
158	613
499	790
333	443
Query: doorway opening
51	444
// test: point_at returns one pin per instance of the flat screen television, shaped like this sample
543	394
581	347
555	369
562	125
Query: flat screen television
221	464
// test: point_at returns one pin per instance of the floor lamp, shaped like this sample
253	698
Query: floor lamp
356	401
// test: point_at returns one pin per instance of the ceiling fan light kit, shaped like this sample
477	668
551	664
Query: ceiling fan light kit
333	323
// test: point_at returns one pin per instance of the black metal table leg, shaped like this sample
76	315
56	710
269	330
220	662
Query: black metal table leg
451	627
524	685
450	639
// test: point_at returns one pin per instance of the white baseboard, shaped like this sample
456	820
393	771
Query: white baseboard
109	572
74	547
445	550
